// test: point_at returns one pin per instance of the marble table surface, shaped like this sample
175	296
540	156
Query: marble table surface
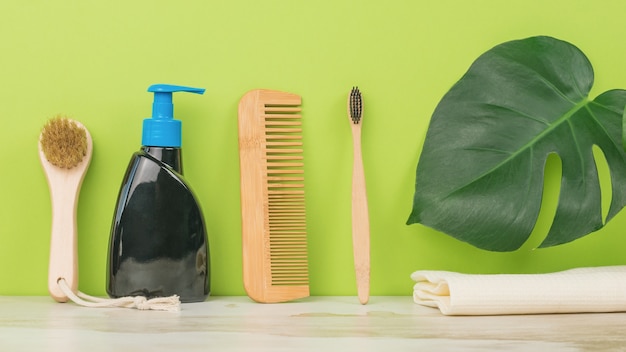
311	324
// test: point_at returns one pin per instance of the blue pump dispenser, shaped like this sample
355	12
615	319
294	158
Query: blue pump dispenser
159	245
162	130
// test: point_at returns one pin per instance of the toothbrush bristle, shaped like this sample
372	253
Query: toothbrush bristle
63	142
356	105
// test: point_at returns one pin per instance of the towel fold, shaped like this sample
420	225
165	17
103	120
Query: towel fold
581	290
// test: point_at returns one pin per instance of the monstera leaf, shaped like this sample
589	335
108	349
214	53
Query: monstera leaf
480	174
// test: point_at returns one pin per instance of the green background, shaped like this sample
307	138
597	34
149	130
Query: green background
93	61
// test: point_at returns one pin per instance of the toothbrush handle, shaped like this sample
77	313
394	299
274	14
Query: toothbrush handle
360	222
63	238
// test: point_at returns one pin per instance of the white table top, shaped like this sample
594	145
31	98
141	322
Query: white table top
312	324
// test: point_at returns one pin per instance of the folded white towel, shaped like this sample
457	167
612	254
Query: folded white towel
601	289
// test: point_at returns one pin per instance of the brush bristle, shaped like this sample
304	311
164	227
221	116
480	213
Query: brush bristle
63	142
356	105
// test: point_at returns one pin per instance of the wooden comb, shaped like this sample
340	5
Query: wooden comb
275	260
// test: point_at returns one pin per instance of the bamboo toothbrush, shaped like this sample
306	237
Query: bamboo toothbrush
65	148
275	260
360	217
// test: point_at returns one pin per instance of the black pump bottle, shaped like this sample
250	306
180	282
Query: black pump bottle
158	245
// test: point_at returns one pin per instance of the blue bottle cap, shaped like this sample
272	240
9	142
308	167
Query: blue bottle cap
162	130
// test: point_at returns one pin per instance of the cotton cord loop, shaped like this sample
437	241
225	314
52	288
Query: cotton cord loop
171	303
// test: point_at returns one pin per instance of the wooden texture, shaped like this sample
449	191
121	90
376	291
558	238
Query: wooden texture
360	214
275	260
64	187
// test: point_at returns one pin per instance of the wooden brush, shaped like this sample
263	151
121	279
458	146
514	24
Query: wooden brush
275	259
360	217
65	148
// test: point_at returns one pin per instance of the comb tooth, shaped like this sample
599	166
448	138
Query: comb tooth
285	144
291	283
295	275
282	259
283	123
285	211
294	217
297	260
280	208
293	234
285	225
285	259
288	200
290	233
285	178
272	152
291	267
289	276
284	205
283	193
285	151
281	109
284	171
288	226
275	131
287	218
299	236
288	272
277	117
282	136
288	247
296	214
299	257
300	269
283	164
275	186
283	157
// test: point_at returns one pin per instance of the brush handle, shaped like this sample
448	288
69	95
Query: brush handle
64	189
360	220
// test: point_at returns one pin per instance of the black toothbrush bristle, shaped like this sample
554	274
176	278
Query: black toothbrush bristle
356	105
